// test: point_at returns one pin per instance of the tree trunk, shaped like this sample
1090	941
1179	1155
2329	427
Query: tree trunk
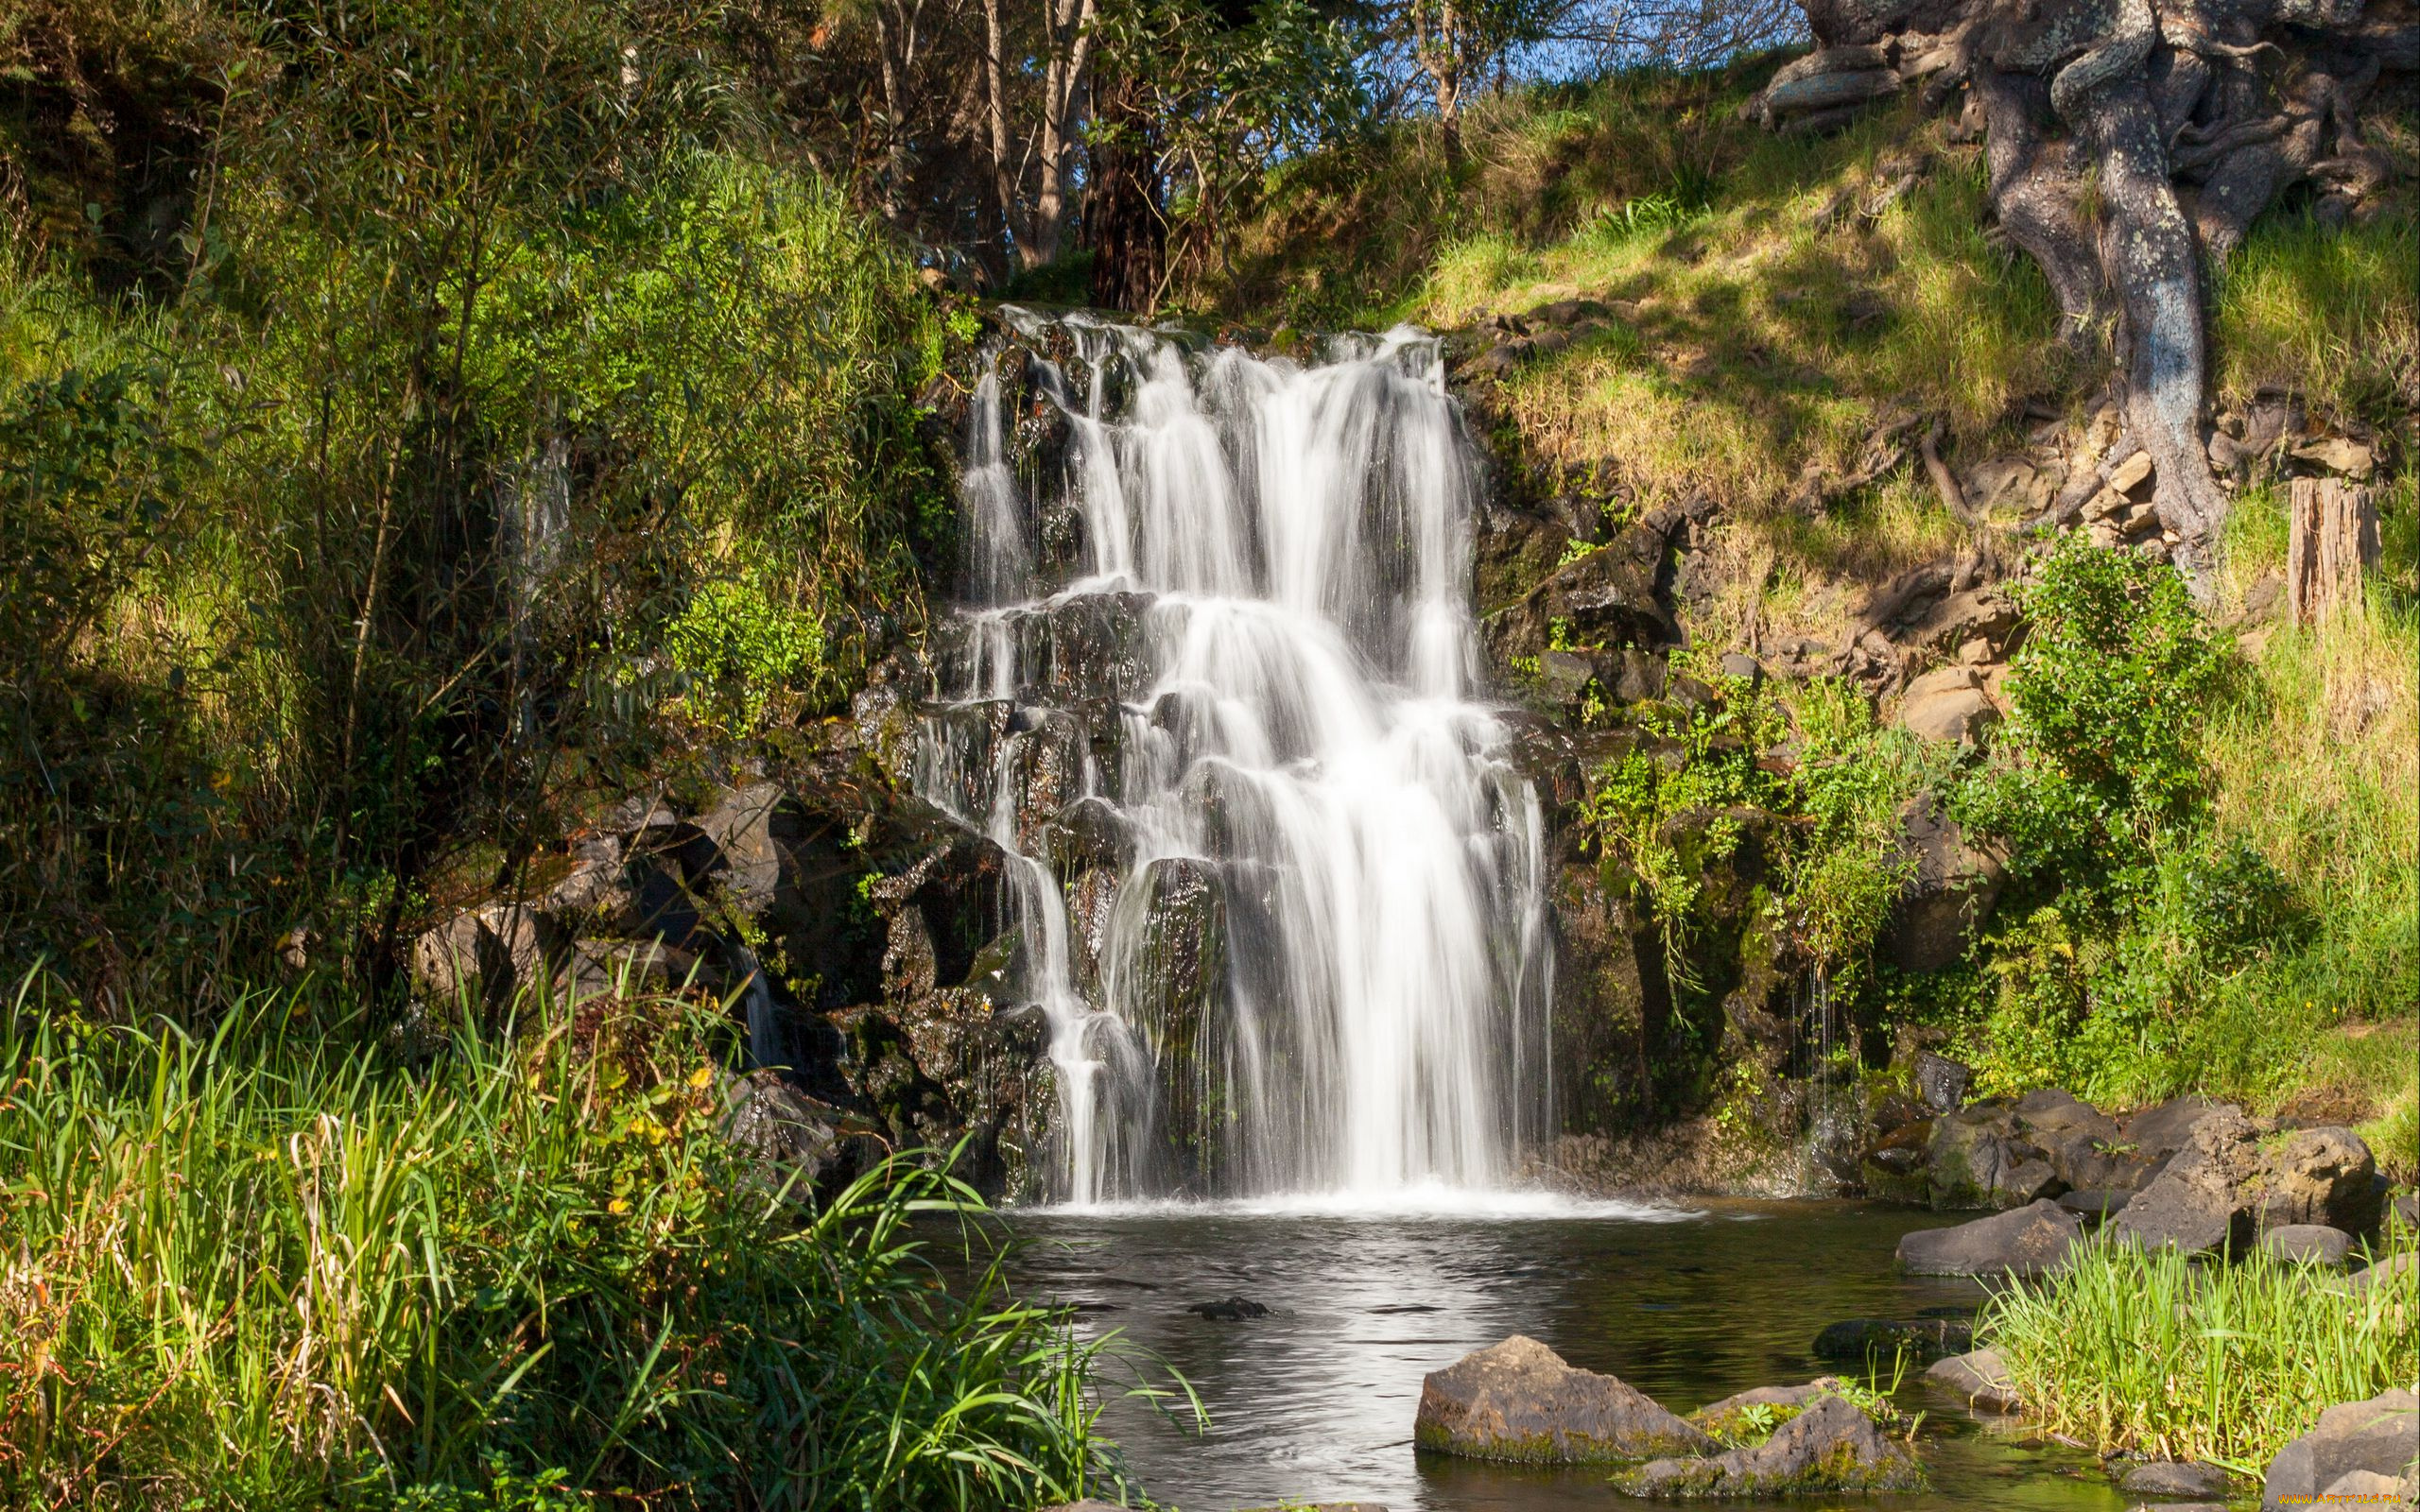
995	111
1071	49
2332	540
2235	99
1126	222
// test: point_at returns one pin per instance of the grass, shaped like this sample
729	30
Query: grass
2149	1353
274	1266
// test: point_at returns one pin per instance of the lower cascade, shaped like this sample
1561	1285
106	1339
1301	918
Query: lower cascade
1213	695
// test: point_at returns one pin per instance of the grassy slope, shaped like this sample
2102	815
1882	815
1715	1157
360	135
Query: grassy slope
1768	323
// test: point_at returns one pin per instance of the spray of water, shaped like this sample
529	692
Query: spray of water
1256	668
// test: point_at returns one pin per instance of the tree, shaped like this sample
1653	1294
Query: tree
2129	145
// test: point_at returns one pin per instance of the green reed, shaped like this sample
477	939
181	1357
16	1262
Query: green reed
279	1267
2151	1352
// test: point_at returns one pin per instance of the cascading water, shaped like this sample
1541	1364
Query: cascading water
1214	697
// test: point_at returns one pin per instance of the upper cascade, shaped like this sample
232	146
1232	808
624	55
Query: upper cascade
1214	693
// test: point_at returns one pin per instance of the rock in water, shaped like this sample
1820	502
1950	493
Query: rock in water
1829	1447
2379	1437
1870	1338
1518	1401
1233	1310
2176	1478
1980	1378
1728	1419
2024	1243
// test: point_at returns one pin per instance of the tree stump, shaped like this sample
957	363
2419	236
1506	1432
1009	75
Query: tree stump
2332	538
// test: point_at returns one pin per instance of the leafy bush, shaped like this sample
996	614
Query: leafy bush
1660	814
268	1270
736	647
522	358
1854	780
2110	689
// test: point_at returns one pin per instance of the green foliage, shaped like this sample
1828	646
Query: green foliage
737	647
524	356
1662	811
2143	1350
2110	689
1854	781
274	1269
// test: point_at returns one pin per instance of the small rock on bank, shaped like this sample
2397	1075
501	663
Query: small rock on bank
1518	1401
2023	1242
2312	1244
1829	1447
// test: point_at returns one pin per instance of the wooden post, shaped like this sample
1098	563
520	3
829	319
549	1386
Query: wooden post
2332	540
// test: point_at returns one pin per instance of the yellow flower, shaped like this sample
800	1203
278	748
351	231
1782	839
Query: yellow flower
617	1205
701	1077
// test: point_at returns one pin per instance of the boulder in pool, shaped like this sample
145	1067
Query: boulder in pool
1829	1447
1980	1378
1518	1401
1863	1339
1739	1417
2023	1242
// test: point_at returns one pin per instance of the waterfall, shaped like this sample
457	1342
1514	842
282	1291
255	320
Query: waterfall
1214	693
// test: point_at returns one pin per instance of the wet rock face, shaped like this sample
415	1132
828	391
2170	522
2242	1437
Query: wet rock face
1947	900
1518	1401
1172	990
1831	1446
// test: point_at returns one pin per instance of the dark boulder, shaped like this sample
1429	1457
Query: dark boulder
1518	1401
2307	1244
2325	1176
1943	1083
806	1144
2163	1130
2093	1204
2026	1242
2224	1187
2379	1437
1979	1157
1946	901
1229	1309
1857	1340
1831	1446
1729	1419
2198	1204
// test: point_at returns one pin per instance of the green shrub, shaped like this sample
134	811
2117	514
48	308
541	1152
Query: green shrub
1853	779
2110	690
275	1268
736	647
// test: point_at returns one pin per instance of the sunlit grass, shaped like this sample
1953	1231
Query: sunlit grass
2150	1353
2331	313
277	1267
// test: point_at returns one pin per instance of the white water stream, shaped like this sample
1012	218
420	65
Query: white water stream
1285	551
